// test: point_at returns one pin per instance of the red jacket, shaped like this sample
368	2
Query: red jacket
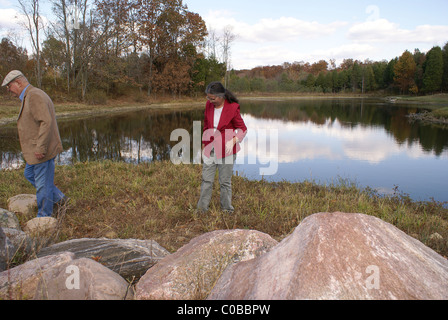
229	122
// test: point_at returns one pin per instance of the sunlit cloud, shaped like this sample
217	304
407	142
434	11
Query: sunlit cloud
382	30
272	30
9	19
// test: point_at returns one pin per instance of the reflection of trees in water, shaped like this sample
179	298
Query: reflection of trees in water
127	137
136	137
10	153
355	112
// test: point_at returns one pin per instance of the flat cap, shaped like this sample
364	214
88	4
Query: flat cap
13	75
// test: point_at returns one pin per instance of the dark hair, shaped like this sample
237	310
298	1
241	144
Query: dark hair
216	88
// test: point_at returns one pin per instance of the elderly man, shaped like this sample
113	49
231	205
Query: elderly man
39	140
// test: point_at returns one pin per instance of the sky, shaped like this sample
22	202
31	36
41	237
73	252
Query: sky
273	32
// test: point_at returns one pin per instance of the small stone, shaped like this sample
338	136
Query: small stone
43	226
23	203
436	236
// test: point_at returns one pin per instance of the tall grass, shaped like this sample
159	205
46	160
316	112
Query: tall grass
158	201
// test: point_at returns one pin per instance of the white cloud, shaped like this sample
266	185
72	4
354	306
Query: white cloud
382	30
9	18
271	30
286	29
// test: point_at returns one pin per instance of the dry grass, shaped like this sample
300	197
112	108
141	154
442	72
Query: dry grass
158	201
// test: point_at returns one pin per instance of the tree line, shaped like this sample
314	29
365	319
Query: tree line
97	49
103	48
411	73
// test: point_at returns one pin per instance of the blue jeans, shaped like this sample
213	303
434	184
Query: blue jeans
41	176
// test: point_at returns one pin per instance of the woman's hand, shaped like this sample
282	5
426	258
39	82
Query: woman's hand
230	144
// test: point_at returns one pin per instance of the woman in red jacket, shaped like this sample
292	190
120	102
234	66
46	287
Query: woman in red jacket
224	129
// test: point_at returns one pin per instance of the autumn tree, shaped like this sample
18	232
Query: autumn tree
318	67
180	33
404	71
419	58
11	57
148	30
53	56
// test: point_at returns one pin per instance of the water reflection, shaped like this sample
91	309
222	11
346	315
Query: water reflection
368	142
365	141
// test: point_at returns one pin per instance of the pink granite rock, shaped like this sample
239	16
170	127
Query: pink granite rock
339	256
191	272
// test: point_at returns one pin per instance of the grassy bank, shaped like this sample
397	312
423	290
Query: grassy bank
438	99
438	103
157	201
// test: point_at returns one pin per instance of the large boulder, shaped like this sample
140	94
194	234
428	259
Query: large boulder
191	272
62	277
129	258
82	279
21	282
336	256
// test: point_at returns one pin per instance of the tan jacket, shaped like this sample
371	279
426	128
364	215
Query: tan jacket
37	126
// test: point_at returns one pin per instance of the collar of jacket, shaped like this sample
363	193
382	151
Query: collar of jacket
29	88
226	114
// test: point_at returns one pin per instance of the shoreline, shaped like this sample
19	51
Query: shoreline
69	111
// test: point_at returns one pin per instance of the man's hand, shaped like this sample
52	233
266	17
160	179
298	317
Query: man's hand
39	156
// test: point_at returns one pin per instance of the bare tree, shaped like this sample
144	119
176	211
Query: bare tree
211	43
30	9
61	10
227	39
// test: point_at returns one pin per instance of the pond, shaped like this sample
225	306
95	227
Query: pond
368	142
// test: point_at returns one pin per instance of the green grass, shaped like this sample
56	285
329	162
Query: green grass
158	201
441	98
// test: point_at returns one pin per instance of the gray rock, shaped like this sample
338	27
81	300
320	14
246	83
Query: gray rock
5	247
339	256
191	272
129	258
21	240
9	220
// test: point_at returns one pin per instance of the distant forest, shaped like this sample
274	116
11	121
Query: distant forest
100	49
